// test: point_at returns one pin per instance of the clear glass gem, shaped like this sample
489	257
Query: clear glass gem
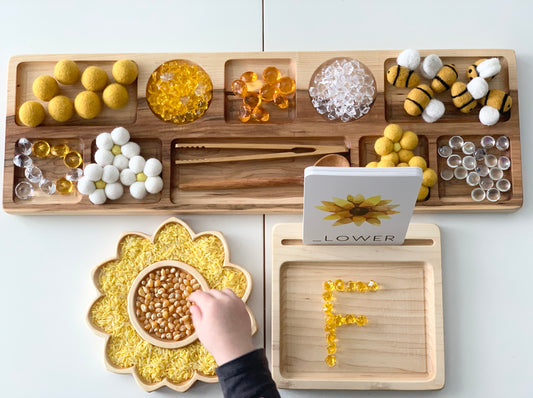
444	151
487	142
24	190
496	173
446	174
479	154
460	173
469	148
23	147
502	143
469	162
21	160
454	160
473	179
74	174
486	183
47	186
493	195
504	162
478	194
33	174
456	142
491	160
482	170
503	185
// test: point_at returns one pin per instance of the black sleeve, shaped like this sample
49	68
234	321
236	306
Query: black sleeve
247	377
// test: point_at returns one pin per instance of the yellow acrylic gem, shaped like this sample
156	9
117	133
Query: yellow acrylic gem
239	88
331	337
280	101
141	177
329	286
245	113
330	319
41	148
73	159
361	286
59	150
332	349
372	285
252	100
267	92
340	320
351	287
329	328
286	85
361	320
271	75
100	184
330	360
64	186
249	77
339	285
260	114
350	318
327	307
116	150
327	296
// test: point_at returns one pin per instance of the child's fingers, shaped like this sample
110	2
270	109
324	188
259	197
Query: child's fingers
216	294
196	313
200	298
230	293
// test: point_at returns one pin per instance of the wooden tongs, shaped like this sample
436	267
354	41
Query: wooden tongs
289	151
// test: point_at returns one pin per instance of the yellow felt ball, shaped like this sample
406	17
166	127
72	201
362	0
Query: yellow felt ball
418	161
429	177
87	104
393	157
385	163
67	72
405	155
45	87
94	78
409	140
396	147
372	164
125	71
423	193
393	132
115	96
31	113
61	108
402	164
383	146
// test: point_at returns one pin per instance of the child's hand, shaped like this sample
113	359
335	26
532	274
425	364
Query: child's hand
222	324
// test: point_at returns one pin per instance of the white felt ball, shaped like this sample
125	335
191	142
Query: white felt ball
490	67
93	171
104	141
409	58
433	111
138	190
98	197
137	164
120	135
114	191
128	177
86	186
130	149
152	167
489	116
110	174
477	87
431	66
154	184
121	162
103	157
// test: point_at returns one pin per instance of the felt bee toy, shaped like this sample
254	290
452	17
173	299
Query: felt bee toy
465	96
484	68
496	102
417	99
444	78
403	73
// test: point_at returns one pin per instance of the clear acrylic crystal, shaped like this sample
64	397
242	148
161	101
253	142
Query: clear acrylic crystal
502	143
496	173
473	179
482	170
493	195
468	148
487	142
23	147
74	174
24	190
454	160
491	160
460	172
503	185
477	194
504	162
47	186
456	142
444	151
486	183
33	174
446	174
22	161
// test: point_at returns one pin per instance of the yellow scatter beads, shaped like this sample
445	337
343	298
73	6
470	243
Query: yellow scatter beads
361	286
64	186
329	286
327	296
330	360
59	150
339	285
179	91
73	159
41	149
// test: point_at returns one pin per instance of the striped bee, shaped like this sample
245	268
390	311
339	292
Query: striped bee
445	77
485	68
498	99
400	76
461	97
417	99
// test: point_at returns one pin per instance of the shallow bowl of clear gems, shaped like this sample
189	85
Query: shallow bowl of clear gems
342	89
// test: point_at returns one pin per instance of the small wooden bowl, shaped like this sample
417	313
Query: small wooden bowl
132	296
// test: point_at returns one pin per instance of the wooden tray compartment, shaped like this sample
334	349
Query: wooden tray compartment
300	123
401	347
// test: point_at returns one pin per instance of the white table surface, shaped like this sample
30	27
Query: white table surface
47	350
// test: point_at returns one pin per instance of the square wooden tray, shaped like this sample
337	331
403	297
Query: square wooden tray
299	124
401	347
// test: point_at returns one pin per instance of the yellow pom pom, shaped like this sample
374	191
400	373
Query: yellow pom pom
383	146
94	78
393	132
45	87
372	164
87	104
429	177
396	147
115	96
402	164
67	72
423	193
418	161
409	140
393	157
61	108
125	71
31	113
405	155
386	163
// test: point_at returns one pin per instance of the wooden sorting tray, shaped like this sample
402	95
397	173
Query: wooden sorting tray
401	347
299	124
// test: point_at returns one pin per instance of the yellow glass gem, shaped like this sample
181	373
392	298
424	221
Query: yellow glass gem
141	177
327	307
249	77
340	320
351	287
260	114
41	148
286	85
361	320
350	318
332	349
245	113
252	99
331	337
267	92
59	150
339	285
329	328
73	159
361	286
372	285
271	75
330	360
64	186
329	286
100	184
327	296
239	88
280	101
116	150
330	319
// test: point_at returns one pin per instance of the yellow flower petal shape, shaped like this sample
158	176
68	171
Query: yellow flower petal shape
345	204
